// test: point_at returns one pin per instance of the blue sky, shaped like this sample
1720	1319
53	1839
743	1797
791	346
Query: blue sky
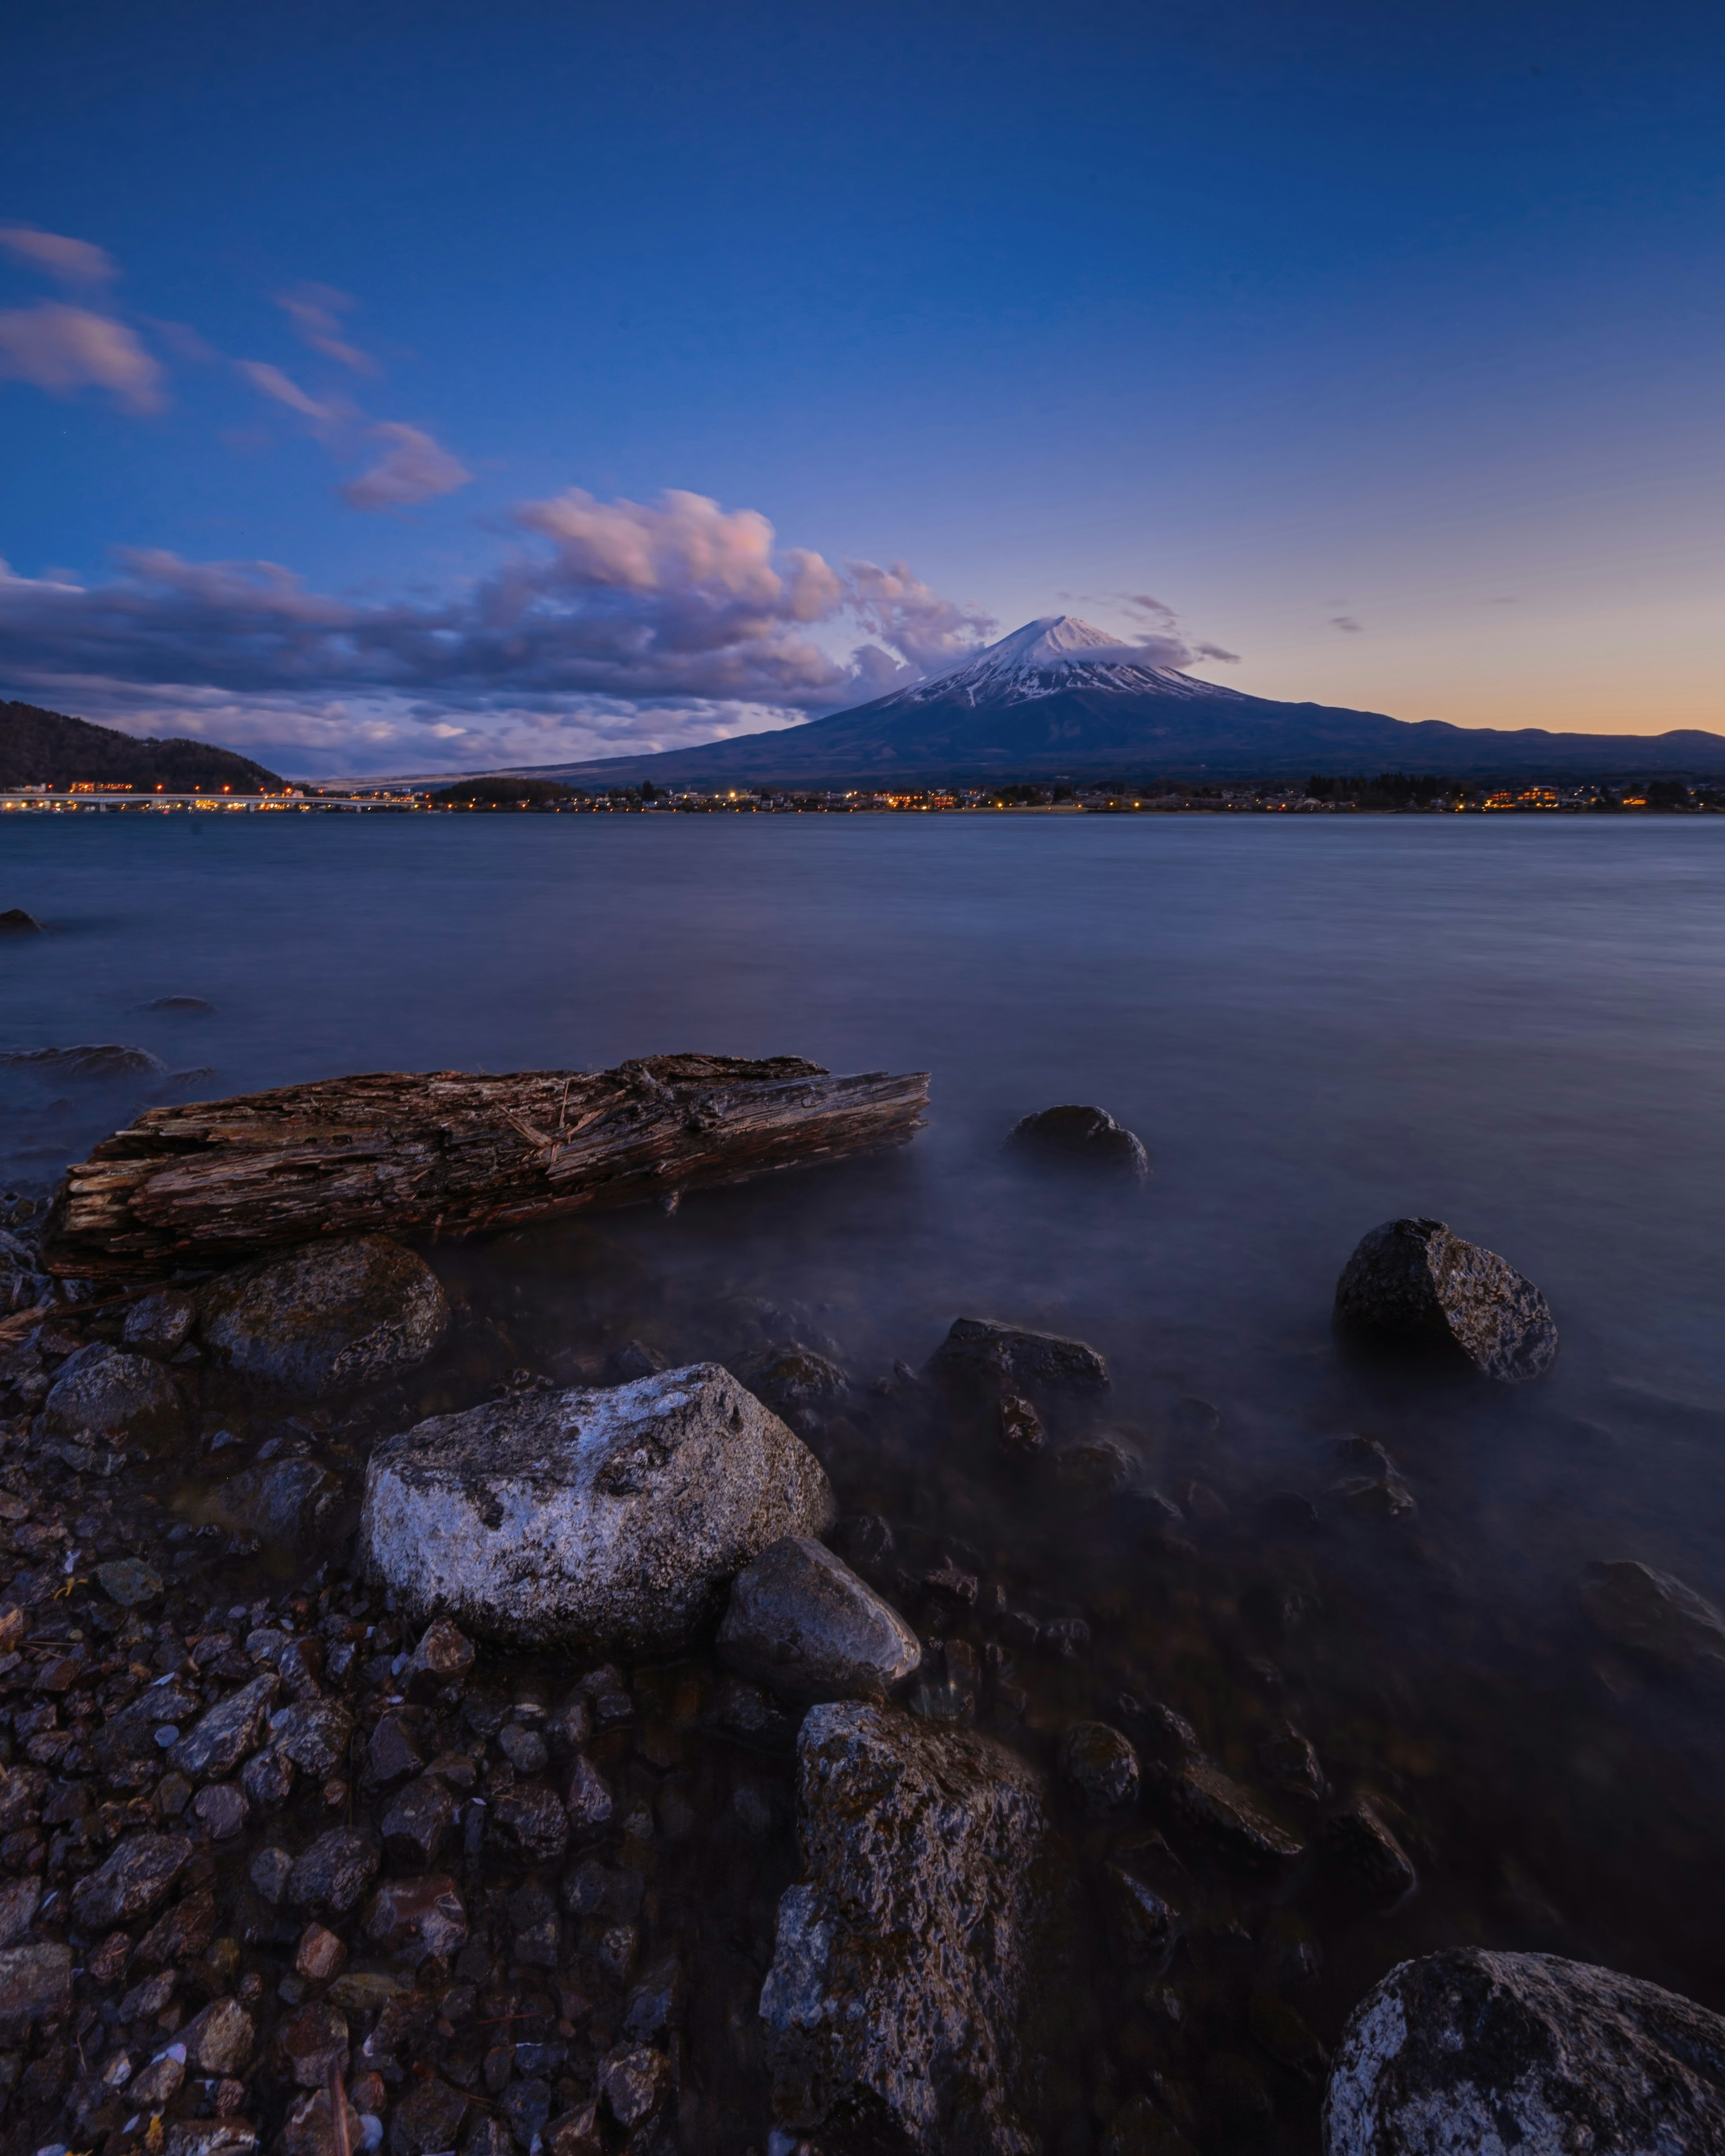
411	387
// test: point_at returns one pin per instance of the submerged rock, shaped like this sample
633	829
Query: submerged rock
892	2008
98	1059
330	1318
1216	1810
1413	1286
1469	2051
15	921
110	1394
800	1620
610	1518
1086	1137
1101	1766
1011	1358
289	1504
1654	1613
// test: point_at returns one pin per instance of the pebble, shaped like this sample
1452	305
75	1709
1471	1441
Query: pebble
1099	1765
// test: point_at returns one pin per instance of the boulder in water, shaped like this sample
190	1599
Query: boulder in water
1412	1286
800	1620
610	1518
1657	1616
102	1060
1467	2052
15	921
919	1964
999	1358
288	1504
330	1318
1083	1138
113	1394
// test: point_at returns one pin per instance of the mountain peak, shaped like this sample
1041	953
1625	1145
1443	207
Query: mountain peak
1054	652
1054	639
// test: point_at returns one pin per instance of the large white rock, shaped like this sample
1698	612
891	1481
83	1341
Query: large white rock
610	1518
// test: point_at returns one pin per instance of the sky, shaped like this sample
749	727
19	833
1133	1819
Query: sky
420	387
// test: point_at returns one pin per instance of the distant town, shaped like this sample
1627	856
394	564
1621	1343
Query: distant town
1387	794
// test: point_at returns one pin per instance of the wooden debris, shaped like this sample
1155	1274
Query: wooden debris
446	1153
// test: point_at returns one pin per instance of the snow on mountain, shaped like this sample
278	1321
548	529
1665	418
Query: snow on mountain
1045	658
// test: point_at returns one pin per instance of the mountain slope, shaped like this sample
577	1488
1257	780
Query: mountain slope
47	748
1058	699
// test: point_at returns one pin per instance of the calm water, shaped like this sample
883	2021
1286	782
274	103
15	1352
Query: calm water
1519	1027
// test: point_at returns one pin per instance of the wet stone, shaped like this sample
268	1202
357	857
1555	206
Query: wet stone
800	1620
1412	1286
1139	2128
267	1779
525	1749
219	2039
391	1752
1020	1427
1084	1138
1100	1766
417	1823
532	1820
1147	1925
590	1800
269	1873
184	1930
525	2105
1216	1809
444	1656
1359	1852
331	1318
35	1984
633	2084
320	1954
314	1734
428	2119
418	1917
1656	1615
333	1873
131	1882
1470	2050
286	1505
311	2041
1290	1764
157	1324
216	1744
113	1394
983	1350
18	1901
1093	1469
129	1581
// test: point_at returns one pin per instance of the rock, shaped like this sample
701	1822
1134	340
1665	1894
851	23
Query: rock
1139	2129
531	1818
15	921
1021	1428
35	1984
652	2005
330	1318
1147	1926
184	1930
1217	1811
1083	1138
310	2041
221	1810
314	1734
219	2039
428	2119
418	1917
20	1899
1413	1286
215	1745
417	1823
525	2105
391	1752
334	1871
1100	1766
575	2134
1656	1615
287	1505
1361	1852
320	1955
267	1779
157	1324
444	1656
1009	1358
129	1581
633	2084
1166	1736
1470	2052
211	2137
800	1620
1290	1764
787	1379
183	1006
525	1749
1376	1496
95	1061
133	1881
269	1871
112	1395
1090	1469
610	1518
883	2005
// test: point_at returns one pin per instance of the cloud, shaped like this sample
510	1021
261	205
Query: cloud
270	382
1215	651
413	468
64	349
74	262
1152	609
316	311
1347	624
612	611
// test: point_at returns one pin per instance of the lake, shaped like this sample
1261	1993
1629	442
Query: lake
1517	1025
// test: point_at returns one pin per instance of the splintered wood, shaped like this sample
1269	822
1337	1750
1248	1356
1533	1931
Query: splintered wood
213	1183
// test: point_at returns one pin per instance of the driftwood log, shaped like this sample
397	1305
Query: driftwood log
213	1183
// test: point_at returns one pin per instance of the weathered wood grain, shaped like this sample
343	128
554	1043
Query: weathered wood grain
216	1182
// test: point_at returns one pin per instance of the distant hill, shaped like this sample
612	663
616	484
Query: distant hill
47	748
1058	699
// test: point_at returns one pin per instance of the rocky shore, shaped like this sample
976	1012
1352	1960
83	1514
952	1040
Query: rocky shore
416	1736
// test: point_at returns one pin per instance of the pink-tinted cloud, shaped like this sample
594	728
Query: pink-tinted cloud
64	349
316	311
675	607
413	468
270	382
75	262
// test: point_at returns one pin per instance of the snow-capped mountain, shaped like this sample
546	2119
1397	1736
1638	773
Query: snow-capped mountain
1045	658
1059	699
